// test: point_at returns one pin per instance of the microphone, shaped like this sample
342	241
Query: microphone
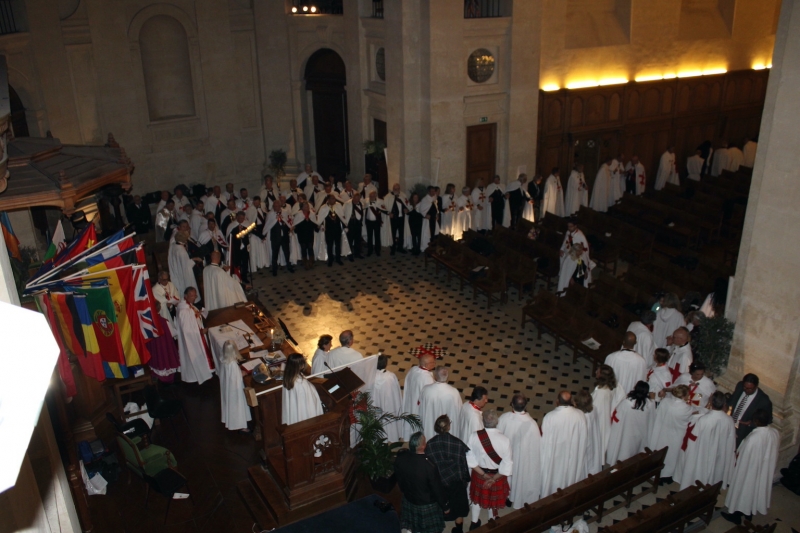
328	366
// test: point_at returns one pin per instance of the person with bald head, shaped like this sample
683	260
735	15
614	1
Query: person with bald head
526	444
221	289
439	399
565	436
416	379
680	352
629	366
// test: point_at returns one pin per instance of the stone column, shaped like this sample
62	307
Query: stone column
766	291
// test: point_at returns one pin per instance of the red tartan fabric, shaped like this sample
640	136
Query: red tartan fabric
493	497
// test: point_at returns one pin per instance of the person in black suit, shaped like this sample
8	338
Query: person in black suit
240	247
139	215
279	235
746	399
536	192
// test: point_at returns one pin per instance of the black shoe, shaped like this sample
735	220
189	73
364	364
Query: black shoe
401	251
509	503
330	262
359	256
734	518
475	525
665	481
369	254
290	268
391	252
339	262
274	272
351	258
458	528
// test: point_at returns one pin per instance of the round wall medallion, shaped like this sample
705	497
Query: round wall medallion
480	66
380	63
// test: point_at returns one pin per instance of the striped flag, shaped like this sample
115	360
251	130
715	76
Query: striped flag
102	316
57	244
12	243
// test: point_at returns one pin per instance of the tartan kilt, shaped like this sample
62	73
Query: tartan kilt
493	497
422	518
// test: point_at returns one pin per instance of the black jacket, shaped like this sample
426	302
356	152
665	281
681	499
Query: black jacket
761	401
419	480
139	217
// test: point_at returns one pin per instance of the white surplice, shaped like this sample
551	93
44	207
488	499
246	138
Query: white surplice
192	346
750	490
565	436
385	392
235	411
568	264
644	342
577	193
629	368
463	217
526	443
300	403
477	456
659	378
318	362
710	451
343	356
221	289
617	177
749	154
667	321
630	429
553	201
439	399
735	158
180	268
719	161
602	183
168	295
604	400
415	380
699	391
481	215
680	359
671	420
448	214
694	167
595	456
667	173
469	421
640	177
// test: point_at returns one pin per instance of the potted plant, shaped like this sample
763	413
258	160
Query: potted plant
277	162
375	454
711	343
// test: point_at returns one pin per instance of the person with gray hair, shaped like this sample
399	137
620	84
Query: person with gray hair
425	501
491	460
235	411
437	399
165	292
526	443
643	329
344	354
565	436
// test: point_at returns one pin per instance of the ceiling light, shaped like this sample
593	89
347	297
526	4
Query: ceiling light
294	10
305	8
313	9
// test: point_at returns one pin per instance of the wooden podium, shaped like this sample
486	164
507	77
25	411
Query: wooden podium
309	466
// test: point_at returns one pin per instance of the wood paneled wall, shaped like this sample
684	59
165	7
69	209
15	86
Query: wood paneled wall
643	118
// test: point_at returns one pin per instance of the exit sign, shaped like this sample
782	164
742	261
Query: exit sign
484	119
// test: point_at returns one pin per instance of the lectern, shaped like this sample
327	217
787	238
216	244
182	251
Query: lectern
309	465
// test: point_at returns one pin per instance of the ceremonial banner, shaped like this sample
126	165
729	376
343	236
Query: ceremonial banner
92	362
70	329
102	317
64	370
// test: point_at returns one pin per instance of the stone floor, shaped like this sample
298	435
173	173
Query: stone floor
392	304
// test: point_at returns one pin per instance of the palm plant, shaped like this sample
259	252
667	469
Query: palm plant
375	454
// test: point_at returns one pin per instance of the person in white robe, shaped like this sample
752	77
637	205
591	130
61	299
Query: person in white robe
280	215
667	172
180	264
574	254
602	184
255	214
668	319
643	329
680	352
629	366
196	363
347	192
634	170
470	419
268	192
617	188
395	221
197	220
659	377
701	387
462	220
694	166
416	379
631	423
448	217
321	355
720	159
300	398
304	178
526	443
180	199
709	447
344	354
577	192
428	207
367	187
750	491
221	289
594	443
437	399
605	397
669	427
479	461
553	201
735	158
212	234
235	411
166	293
481	213
749	153
229	193
385	394
565	436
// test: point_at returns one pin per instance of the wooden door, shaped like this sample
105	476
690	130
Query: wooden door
481	154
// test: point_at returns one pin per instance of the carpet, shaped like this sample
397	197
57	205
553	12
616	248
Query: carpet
360	516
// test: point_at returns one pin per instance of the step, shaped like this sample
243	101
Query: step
271	495
260	511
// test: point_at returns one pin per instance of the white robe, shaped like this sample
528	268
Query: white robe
710	451
180	269
644	342
235	411
526	443
463	216
423	207
667	321
669	427
439	399
630	429
565	436
300	403
415	380
750	491
343	356
629	368
568	264
477	456
700	392
720	161
167	295
221	289
318	362
749	154
680	359
659	378
385	392
259	256
595	456
197	223
448	214
735	158
602	183
617	178
553	201
640	178
604	400
694	167
577	193
192	345
481	214
666	171
470	421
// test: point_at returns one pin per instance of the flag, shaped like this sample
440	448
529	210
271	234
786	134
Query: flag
128	256
57	244
121	246
12	243
64	370
91	362
145	304
76	248
102	318
69	323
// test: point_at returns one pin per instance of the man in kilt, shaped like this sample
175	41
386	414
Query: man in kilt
489	457
449	454
424	498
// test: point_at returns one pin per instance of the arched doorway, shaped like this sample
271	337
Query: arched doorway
326	79
18	121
